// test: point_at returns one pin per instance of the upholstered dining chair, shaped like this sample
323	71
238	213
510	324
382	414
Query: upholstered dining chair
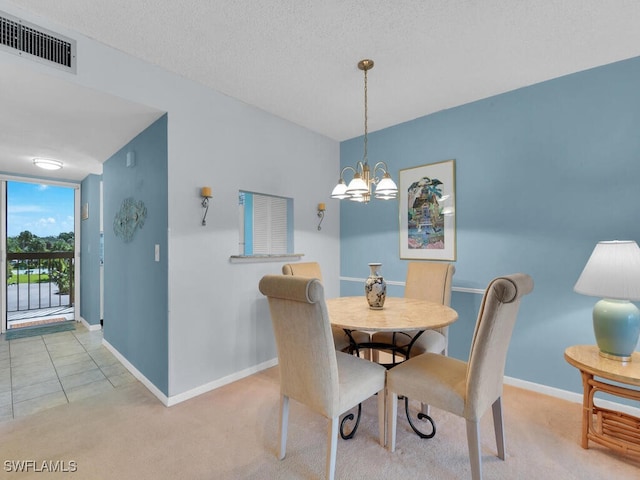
311	370
425	281
466	389
313	270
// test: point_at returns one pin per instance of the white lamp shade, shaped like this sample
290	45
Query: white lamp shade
357	186
613	271
386	187
340	190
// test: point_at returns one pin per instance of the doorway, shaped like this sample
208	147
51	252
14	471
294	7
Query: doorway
40	245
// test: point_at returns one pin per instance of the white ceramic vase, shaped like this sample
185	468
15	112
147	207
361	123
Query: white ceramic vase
375	288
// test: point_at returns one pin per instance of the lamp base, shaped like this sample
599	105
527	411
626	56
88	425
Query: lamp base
624	358
616	324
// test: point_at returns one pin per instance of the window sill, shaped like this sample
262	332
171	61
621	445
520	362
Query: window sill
265	258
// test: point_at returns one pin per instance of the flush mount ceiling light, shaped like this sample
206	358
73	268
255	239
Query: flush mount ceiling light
47	163
359	189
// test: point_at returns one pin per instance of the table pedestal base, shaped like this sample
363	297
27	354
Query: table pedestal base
421	416
348	417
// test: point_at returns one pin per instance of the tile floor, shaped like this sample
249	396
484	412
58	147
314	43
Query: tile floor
45	371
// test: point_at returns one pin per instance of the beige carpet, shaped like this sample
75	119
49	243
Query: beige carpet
231	433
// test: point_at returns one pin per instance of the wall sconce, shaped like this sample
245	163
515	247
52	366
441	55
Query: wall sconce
205	193
321	210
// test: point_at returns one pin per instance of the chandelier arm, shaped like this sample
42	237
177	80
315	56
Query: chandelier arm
379	166
348	167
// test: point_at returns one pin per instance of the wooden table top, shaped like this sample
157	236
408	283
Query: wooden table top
587	358
398	314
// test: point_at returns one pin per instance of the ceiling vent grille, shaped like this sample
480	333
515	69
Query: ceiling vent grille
37	43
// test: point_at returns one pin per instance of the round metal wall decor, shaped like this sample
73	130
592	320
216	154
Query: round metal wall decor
130	217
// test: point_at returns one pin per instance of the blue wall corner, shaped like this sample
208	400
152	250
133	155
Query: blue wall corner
136	286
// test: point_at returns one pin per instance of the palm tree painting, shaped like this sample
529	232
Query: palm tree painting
425	218
427	211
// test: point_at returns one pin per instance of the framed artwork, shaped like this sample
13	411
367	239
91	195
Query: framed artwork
427	212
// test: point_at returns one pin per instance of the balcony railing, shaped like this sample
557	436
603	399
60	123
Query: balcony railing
37	281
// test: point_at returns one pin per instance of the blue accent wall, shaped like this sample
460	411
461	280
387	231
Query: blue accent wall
90	251
542	174
136	286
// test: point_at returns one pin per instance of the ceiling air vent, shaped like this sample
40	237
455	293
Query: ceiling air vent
37	43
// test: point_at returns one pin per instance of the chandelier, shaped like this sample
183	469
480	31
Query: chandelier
364	177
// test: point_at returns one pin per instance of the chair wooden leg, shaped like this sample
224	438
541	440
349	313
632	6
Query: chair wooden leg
382	417
284	421
498	426
332	447
473	441
392	420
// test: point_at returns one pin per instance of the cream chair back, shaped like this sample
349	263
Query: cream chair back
496	319
306	355
429	281
303	269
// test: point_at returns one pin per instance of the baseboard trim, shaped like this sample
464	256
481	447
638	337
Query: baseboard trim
207	387
569	396
88	326
136	373
181	397
221	382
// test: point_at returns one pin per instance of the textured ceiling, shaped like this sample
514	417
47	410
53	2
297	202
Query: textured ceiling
297	58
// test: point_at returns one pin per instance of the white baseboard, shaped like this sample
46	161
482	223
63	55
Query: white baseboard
136	373
88	326
569	396
207	387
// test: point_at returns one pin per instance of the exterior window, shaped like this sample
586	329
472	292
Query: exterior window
266	224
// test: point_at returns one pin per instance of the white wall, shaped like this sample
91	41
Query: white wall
218	322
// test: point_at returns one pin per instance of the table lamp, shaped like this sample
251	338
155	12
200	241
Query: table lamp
613	273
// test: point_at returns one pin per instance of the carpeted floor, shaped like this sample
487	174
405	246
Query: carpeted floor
231	433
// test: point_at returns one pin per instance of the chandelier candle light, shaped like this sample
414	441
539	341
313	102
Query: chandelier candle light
359	188
613	273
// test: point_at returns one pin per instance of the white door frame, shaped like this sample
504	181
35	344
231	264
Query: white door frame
3	241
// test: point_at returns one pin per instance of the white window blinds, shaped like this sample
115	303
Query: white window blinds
266	225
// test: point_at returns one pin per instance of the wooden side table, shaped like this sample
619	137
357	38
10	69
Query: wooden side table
616	430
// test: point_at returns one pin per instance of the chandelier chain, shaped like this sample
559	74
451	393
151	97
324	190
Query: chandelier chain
366	115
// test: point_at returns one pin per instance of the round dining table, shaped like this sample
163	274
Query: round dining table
398	314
